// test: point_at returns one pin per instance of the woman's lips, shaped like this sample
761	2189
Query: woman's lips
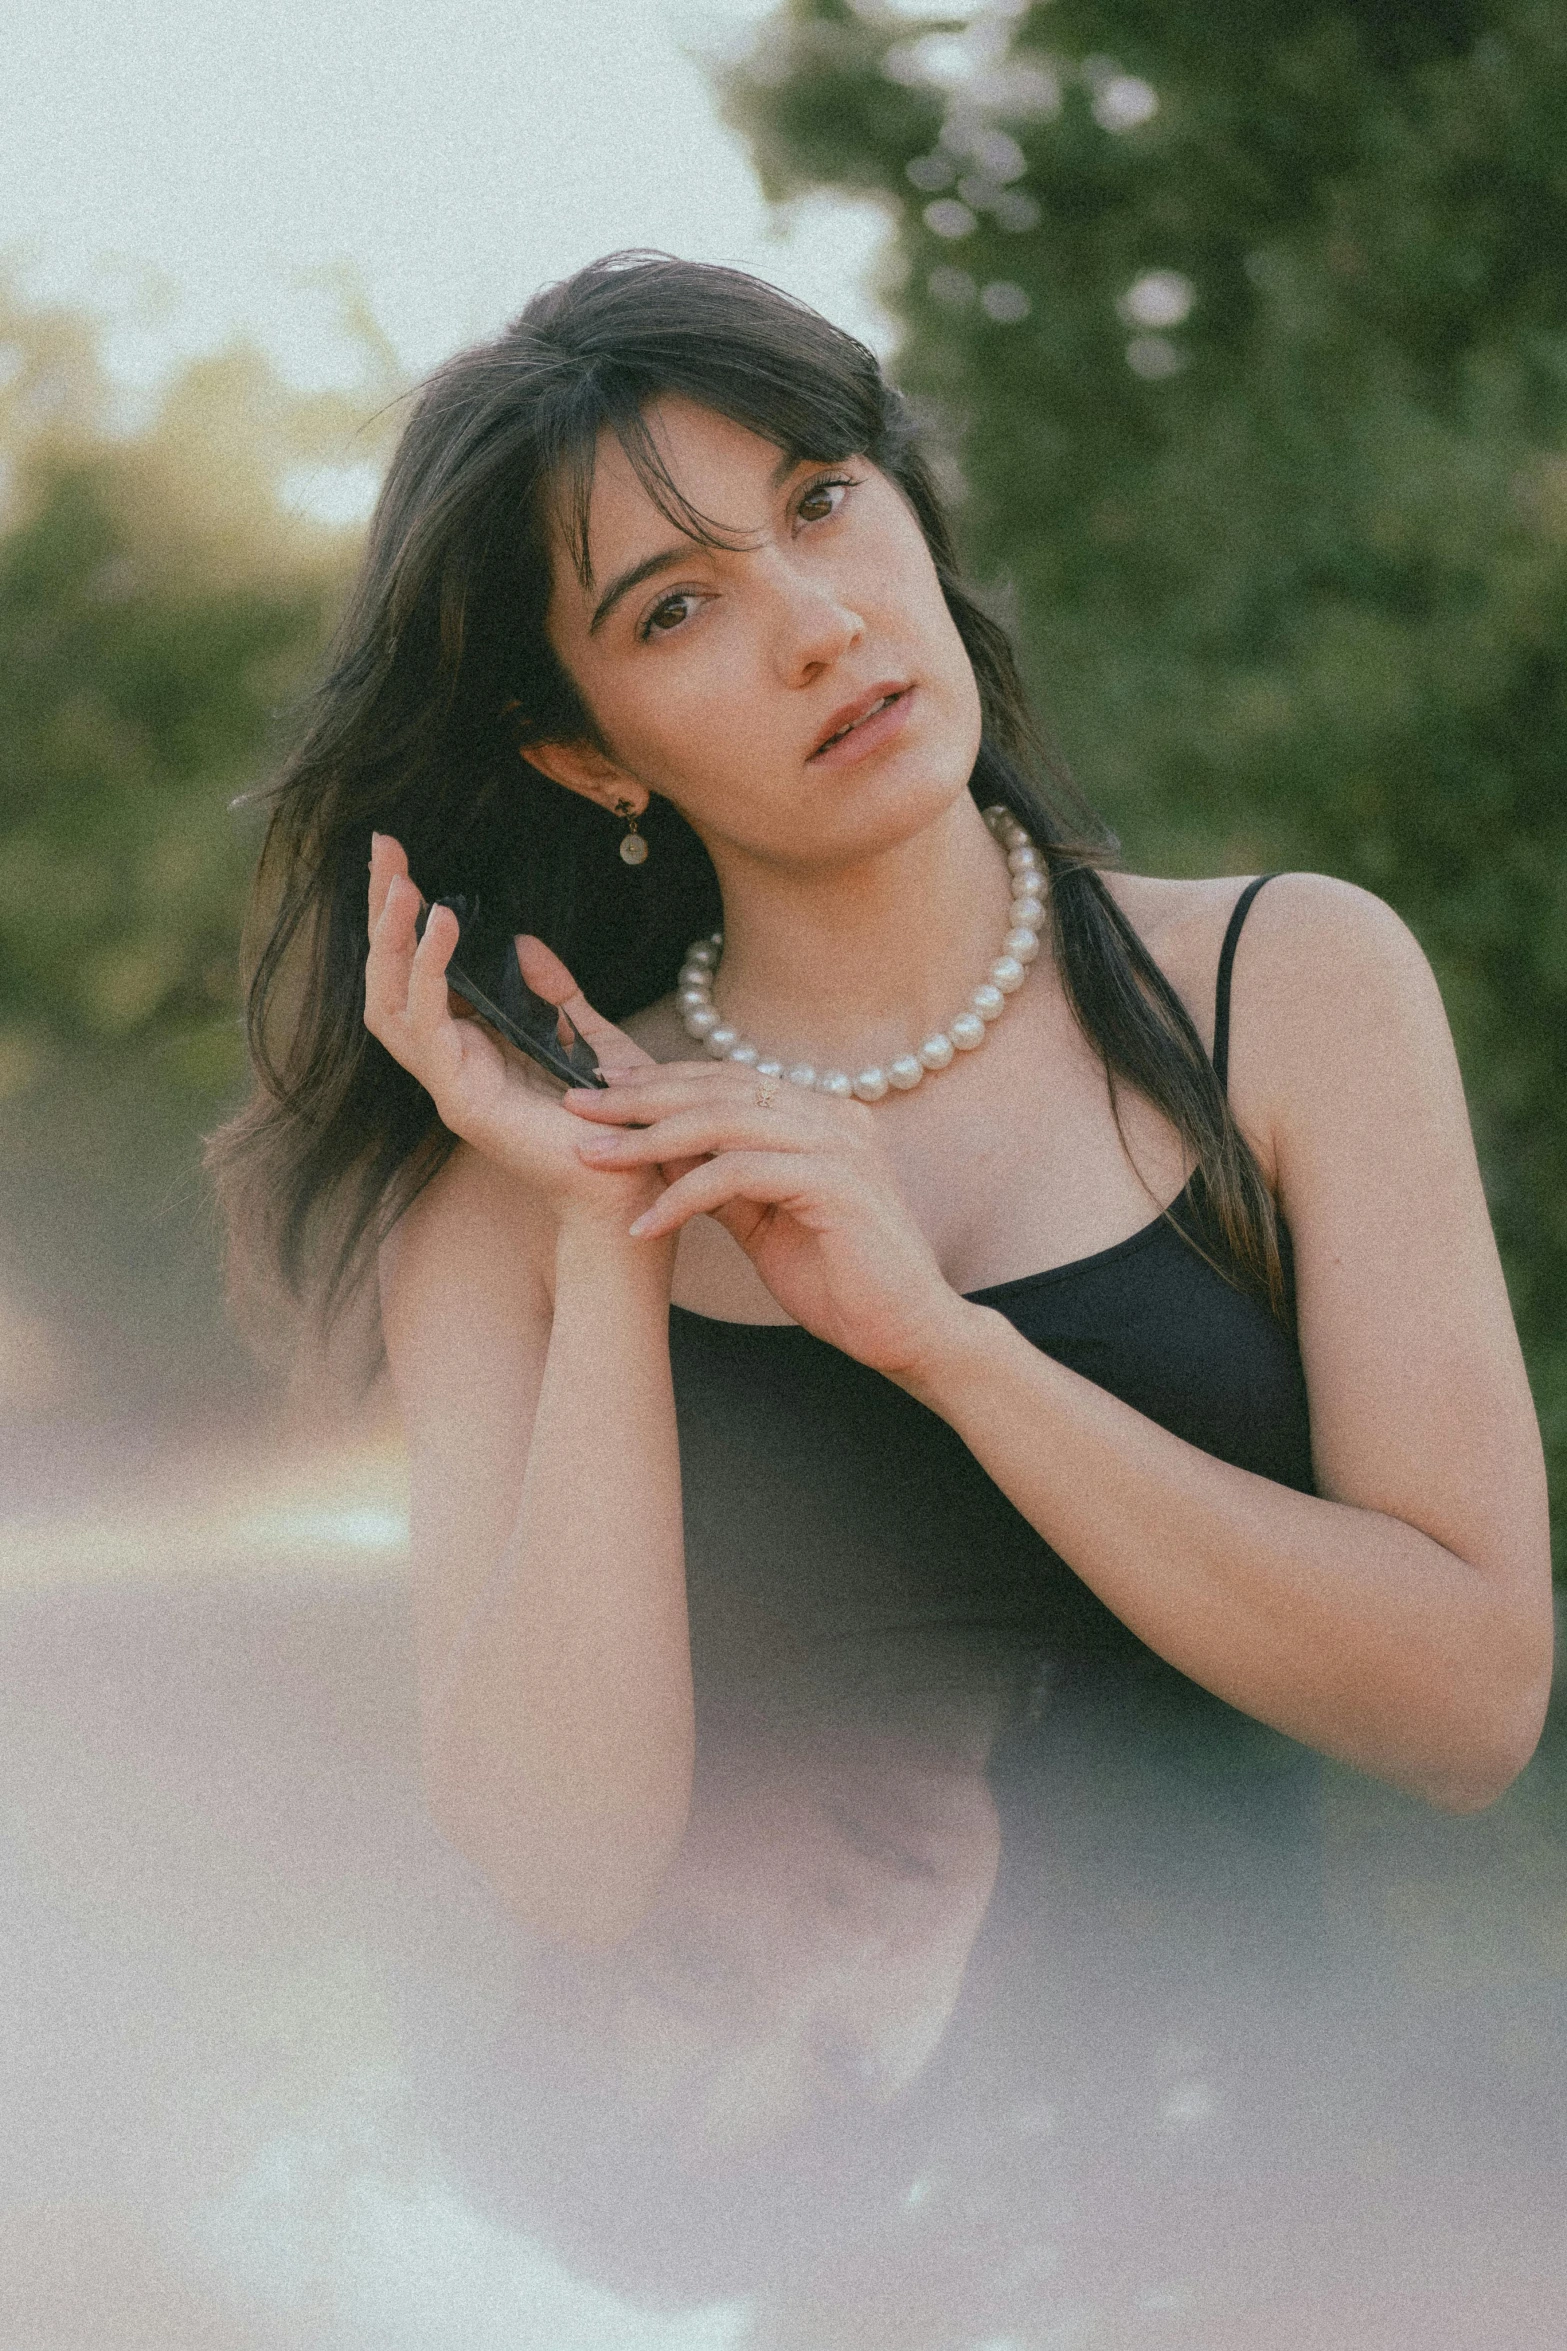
869	735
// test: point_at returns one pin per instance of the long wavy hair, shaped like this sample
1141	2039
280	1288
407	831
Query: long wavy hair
441	673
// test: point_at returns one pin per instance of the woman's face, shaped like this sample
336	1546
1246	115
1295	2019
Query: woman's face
717	675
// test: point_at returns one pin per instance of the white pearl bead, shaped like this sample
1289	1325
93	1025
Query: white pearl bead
1019	947
997	816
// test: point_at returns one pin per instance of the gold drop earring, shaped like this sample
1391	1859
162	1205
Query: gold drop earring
633	848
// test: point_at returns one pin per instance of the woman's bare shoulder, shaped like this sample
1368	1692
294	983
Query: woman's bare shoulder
1298	930
1326	976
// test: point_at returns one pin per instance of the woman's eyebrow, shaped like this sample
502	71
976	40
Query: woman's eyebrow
648	568
668	557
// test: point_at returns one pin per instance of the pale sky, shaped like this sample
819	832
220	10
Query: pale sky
181	165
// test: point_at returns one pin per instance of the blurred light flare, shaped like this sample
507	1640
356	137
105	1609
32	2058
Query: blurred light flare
1124	103
950	219
1159	298
1007	304
1154	357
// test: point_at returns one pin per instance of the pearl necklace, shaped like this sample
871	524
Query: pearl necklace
706	1024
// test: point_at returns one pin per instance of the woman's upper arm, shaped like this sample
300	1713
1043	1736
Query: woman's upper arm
1343	1066
465	1316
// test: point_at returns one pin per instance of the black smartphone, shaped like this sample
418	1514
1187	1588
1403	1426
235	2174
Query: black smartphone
490	981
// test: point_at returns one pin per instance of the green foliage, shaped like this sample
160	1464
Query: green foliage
1250	327
125	707
160	599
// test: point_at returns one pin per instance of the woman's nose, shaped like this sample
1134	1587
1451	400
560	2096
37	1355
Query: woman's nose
816	624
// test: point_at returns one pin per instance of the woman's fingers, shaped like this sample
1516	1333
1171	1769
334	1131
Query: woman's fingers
695	1133
708	1069
668	1088
634	1096
407	1002
387	858
427	991
545	973
411	1009
771	1179
390	960
548	977
692	1112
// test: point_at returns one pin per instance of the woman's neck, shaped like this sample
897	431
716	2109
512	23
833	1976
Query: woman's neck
861	961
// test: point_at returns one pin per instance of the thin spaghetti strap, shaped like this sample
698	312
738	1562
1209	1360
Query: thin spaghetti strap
1221	1002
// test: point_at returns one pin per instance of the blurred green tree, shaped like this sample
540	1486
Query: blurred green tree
163	590
1246	328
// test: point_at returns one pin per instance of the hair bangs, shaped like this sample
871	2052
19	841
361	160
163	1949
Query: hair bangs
620	405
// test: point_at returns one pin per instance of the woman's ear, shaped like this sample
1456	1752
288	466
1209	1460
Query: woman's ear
578	767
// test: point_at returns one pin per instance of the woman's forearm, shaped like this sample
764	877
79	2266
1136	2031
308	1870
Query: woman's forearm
558	1738
1345	1627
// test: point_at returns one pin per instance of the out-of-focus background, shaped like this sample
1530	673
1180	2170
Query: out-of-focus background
1243	334
226	253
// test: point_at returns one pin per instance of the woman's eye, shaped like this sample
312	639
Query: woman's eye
668	615
825	498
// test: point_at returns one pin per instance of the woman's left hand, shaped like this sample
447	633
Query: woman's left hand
801	1181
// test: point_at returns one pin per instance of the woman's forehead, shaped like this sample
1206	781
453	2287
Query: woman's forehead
688	471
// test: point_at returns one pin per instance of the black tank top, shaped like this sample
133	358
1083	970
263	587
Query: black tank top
843	1546
825	1499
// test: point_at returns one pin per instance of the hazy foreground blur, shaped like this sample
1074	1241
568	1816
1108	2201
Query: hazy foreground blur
1245	339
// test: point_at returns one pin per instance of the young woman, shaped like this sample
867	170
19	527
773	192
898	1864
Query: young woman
1122	1272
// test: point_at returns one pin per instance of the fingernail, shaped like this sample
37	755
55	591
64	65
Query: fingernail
638	1230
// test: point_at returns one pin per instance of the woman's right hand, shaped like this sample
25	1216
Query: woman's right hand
487	1093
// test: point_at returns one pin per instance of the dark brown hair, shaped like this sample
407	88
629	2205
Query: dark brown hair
441	672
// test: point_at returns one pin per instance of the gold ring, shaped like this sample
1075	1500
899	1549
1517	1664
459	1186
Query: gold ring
766	1096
